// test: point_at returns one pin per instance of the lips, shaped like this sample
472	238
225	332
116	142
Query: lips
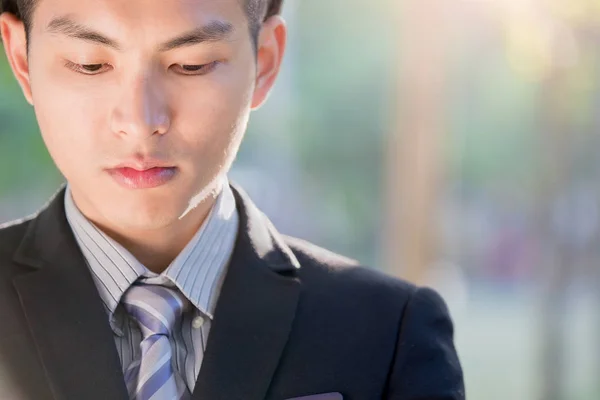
141	177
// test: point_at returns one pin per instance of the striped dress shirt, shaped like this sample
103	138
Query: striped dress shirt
198	272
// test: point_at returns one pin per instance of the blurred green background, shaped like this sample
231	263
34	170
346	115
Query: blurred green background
452	143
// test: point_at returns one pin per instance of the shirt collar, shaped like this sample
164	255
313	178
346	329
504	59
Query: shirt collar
197	271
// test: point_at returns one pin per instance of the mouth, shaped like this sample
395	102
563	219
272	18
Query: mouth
142	175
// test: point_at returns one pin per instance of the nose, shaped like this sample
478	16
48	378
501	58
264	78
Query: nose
142	110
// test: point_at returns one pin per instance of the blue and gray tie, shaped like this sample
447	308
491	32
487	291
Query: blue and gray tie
156	309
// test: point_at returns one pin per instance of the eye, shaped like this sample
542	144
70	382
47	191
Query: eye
86	69
200	69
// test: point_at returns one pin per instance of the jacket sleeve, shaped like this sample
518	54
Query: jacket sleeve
426	365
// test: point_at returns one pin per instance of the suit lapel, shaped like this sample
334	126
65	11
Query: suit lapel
65	313
254	313
251	325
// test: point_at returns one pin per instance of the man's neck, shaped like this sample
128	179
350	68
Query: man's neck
154	248
157	249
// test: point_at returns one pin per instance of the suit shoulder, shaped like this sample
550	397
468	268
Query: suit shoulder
322	267
11	234
313	253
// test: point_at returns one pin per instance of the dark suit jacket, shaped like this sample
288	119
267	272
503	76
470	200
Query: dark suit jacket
292	320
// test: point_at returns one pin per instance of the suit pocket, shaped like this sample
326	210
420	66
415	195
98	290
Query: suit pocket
321	396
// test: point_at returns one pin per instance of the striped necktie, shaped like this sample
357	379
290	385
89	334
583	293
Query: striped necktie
156	309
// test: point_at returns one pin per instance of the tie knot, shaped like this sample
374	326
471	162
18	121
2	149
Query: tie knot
155	308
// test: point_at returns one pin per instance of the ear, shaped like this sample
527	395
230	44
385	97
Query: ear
12	30
270	50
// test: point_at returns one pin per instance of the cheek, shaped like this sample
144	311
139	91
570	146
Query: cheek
66	120
216	114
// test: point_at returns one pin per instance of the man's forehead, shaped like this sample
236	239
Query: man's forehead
158	10
212	31
111	21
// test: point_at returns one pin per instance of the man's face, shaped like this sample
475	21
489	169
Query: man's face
149	97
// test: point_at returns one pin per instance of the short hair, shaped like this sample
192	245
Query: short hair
256	10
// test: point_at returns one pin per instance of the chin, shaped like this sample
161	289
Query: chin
147	213
142	220
156	208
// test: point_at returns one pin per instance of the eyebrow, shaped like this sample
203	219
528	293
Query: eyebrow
214	31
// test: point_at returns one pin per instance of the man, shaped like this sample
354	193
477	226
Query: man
148	275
